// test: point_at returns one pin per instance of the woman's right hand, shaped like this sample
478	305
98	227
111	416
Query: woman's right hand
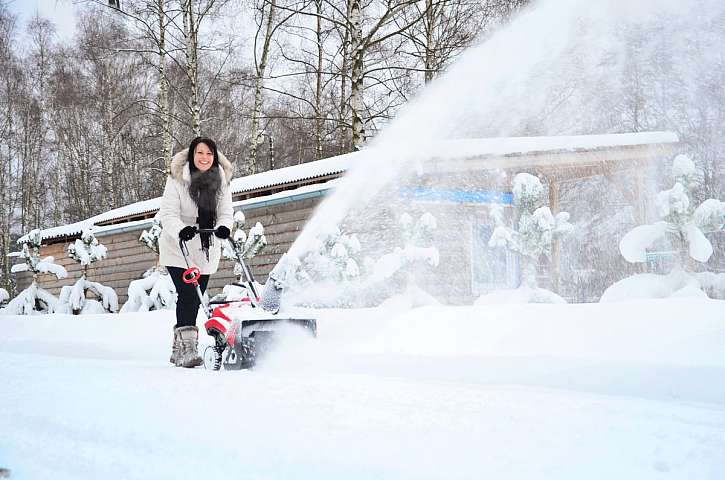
187	233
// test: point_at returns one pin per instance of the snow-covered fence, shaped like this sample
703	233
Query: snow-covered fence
33	299
87	250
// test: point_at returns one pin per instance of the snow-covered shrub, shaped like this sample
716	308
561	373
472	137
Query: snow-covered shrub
417	247
33	299
333	257
532	238
243	245
4	295
150	237
394	272
326	274
683	227
155	290
87	250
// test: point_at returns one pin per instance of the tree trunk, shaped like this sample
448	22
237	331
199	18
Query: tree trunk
258	86
356	93
344	68
166	140
191	37
318	84
429	41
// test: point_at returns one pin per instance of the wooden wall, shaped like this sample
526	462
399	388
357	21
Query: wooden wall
128	259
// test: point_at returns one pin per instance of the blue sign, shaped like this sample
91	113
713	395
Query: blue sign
428	194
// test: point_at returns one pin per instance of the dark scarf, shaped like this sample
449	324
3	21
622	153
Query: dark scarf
204	190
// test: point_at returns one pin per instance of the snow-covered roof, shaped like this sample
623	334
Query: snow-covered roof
295	173
459	149
477	147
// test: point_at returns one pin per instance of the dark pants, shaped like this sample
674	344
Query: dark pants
187	303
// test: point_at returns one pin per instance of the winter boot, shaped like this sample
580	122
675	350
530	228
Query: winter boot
189	357
176	349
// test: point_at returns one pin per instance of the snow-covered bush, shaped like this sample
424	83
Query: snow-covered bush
683	228
327	273
683	225
243	245
393	276
33	299
532	238
332	257
4	295
417	247
87	250
150	237
155	290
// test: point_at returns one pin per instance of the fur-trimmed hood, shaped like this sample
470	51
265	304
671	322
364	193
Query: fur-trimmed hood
180	167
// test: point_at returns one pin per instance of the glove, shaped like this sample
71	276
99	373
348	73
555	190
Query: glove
222	232
187	233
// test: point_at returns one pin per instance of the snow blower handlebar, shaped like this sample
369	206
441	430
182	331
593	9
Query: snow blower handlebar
247	272
245	269
192	275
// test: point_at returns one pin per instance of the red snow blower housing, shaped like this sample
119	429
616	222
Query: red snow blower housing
243	329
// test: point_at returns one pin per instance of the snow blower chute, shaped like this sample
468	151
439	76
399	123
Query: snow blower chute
243	329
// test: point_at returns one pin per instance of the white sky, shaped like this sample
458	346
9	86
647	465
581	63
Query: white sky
60	12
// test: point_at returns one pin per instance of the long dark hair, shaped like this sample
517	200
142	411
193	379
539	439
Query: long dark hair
205	189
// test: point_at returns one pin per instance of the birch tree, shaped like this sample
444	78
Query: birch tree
370	26
270	16
10	87
445	29
266	27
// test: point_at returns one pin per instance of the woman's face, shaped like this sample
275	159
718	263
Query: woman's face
203	157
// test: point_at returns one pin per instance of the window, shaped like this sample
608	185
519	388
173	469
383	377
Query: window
492	268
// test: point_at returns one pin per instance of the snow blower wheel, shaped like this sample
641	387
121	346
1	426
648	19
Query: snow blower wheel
213	353
241	355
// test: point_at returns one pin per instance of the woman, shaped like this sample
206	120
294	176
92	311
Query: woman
196	196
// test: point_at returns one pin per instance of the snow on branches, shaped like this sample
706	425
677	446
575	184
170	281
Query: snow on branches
33	299
327	274
332	257
87	250
536	230
155	291
417	241
243	245
684	227
680	223
30	253
150	237
397	270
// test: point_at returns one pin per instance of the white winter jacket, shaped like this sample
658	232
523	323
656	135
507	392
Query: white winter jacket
178	210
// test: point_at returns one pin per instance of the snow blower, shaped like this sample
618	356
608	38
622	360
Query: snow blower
244	329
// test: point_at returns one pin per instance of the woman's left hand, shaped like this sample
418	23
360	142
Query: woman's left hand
222	232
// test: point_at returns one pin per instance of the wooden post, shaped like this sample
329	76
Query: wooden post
555	247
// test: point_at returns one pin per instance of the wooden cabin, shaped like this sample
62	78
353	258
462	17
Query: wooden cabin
282	200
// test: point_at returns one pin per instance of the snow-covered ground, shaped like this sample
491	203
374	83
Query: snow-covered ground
594	391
